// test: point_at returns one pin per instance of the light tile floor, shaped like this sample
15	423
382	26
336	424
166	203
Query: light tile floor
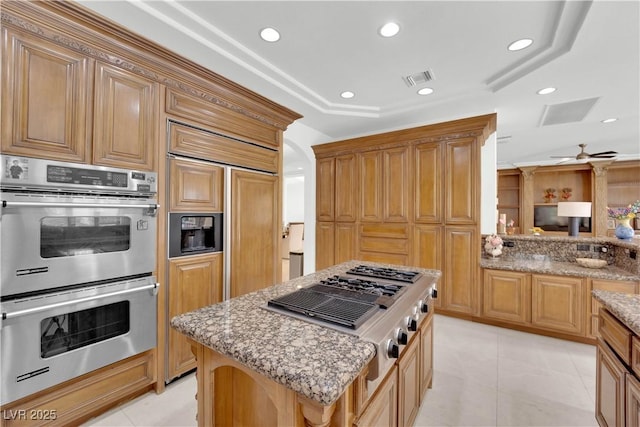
484	376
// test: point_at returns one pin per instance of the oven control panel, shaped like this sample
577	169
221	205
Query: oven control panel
19	172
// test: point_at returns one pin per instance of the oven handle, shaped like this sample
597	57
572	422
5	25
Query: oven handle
8	204
153	287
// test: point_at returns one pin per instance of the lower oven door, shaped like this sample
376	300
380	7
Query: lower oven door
51	338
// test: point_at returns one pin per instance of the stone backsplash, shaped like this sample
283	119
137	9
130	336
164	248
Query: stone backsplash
621	253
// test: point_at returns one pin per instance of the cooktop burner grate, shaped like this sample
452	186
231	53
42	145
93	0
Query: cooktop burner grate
331	308
385	273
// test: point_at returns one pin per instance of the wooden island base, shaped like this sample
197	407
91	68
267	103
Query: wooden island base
231	394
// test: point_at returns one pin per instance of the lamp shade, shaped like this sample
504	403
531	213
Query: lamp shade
574	209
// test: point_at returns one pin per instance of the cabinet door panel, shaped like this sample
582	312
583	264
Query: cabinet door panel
46	99
507	296
396	185
428	182
325	245
633	401
461	174
382	410
426	356
196	186
325	185
409	383
346	188
194	282
371	186
610	387
255	231
428	251
126	110
558	303
461	263
345	242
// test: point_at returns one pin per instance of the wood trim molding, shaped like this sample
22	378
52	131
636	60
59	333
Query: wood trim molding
108	42
480	126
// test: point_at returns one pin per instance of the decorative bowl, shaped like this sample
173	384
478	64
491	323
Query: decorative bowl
591	263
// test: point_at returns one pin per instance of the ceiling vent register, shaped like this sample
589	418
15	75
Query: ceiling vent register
419	78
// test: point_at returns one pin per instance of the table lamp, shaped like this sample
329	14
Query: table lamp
575	211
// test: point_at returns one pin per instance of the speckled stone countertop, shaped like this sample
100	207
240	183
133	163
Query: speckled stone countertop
626	307
313	360
546	266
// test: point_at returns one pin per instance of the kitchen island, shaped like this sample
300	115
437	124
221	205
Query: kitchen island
618	359
259	367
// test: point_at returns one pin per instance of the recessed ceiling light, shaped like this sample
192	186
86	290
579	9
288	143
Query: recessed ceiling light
546	91
347	94
389	29
270	34
425	91
611	120
520	44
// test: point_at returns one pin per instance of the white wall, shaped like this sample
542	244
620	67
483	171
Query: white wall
489	185
303	137
293	199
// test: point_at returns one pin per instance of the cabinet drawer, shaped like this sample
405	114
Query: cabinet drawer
616	335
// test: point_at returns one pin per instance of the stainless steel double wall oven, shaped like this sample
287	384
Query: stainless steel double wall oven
77	256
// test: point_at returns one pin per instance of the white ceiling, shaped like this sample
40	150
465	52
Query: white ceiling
584	49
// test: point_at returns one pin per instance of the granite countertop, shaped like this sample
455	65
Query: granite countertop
546	266
626	307
313	360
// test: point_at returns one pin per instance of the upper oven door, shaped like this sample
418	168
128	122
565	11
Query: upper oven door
57	240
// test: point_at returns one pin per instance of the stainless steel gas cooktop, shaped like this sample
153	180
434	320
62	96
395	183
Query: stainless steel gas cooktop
379	305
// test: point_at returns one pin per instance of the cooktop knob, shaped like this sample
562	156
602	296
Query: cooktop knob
434	293
401	336
392	349
412	324
424	307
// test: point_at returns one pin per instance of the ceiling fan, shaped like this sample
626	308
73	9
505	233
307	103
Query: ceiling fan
582	155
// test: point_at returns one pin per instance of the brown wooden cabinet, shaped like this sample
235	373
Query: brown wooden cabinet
632	391
325	190
47	93
125	119
371	186
428	183
506	296
428	250
346	188
194	282
543	303
382	410
255	231
346	245
610	388
384	185
593	306
325	244
460	276
195	186
62	105
558	303
409	383
418	203
461	179
426	356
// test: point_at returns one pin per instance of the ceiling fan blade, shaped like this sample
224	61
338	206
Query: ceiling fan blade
563	157
602	156
603	152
